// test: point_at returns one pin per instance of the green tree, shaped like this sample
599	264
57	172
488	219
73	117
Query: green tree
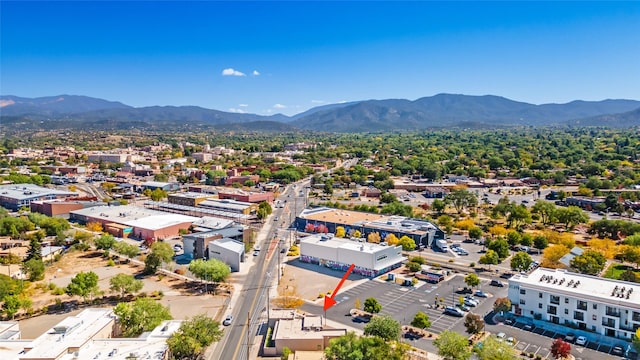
142	315
452	346
158	194
521	261
35	248
84	284
473	323
128	250
489	258
519	216
413	266
105	242
475	233
461	199
125	284
501	247
353	347
210	270
502	304
193	336
407	243
383	326
34	269
540	242
591	262
472	280
421	320
493	349
161	252
546	210
11	305
438	205
571	216
371	305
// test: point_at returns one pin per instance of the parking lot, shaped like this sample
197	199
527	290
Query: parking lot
541	342
402	303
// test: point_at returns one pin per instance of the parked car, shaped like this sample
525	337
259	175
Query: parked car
471	303
450	310
511	340
570	337
256	253
506	275
501	336
227	321
463	307
527	327
462	252
581	340
480	293
617	350
496	283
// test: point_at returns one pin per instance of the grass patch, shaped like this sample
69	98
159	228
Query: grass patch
615	270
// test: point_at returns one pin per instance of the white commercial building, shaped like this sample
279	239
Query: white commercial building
338	253
603	310
89	335
228	251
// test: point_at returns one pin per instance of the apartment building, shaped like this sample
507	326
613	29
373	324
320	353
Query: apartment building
603	310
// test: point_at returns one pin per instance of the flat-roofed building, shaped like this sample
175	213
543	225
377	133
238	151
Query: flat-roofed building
196	245
247	196
135	222
189	198
9	330
229	251
61	207
13	197
370	259
318	219
166	186
108	158
602	310
89	335
232	206
301	333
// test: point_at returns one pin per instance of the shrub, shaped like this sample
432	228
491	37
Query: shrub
110	263
472	264
58	291
321	295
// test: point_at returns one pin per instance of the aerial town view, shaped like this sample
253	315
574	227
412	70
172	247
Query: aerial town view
302	180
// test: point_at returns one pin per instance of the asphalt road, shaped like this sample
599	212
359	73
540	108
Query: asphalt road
240	335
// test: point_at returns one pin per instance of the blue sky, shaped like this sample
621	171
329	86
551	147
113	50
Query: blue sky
269	57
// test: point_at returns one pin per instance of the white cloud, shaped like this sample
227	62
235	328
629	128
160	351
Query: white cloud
318	101
238	111
243	105
279	106
232	72
255	73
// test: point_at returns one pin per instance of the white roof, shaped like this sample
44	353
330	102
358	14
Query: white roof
30	191
560	281
135	216
156	222
229	244
225	204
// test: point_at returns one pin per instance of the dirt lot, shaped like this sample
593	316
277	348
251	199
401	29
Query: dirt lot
184	298
309	280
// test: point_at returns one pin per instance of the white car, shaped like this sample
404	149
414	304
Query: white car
581	340
501	336
227	321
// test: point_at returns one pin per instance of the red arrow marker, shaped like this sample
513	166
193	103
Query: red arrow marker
329	301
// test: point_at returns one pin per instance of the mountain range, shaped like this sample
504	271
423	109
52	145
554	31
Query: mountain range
439	111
